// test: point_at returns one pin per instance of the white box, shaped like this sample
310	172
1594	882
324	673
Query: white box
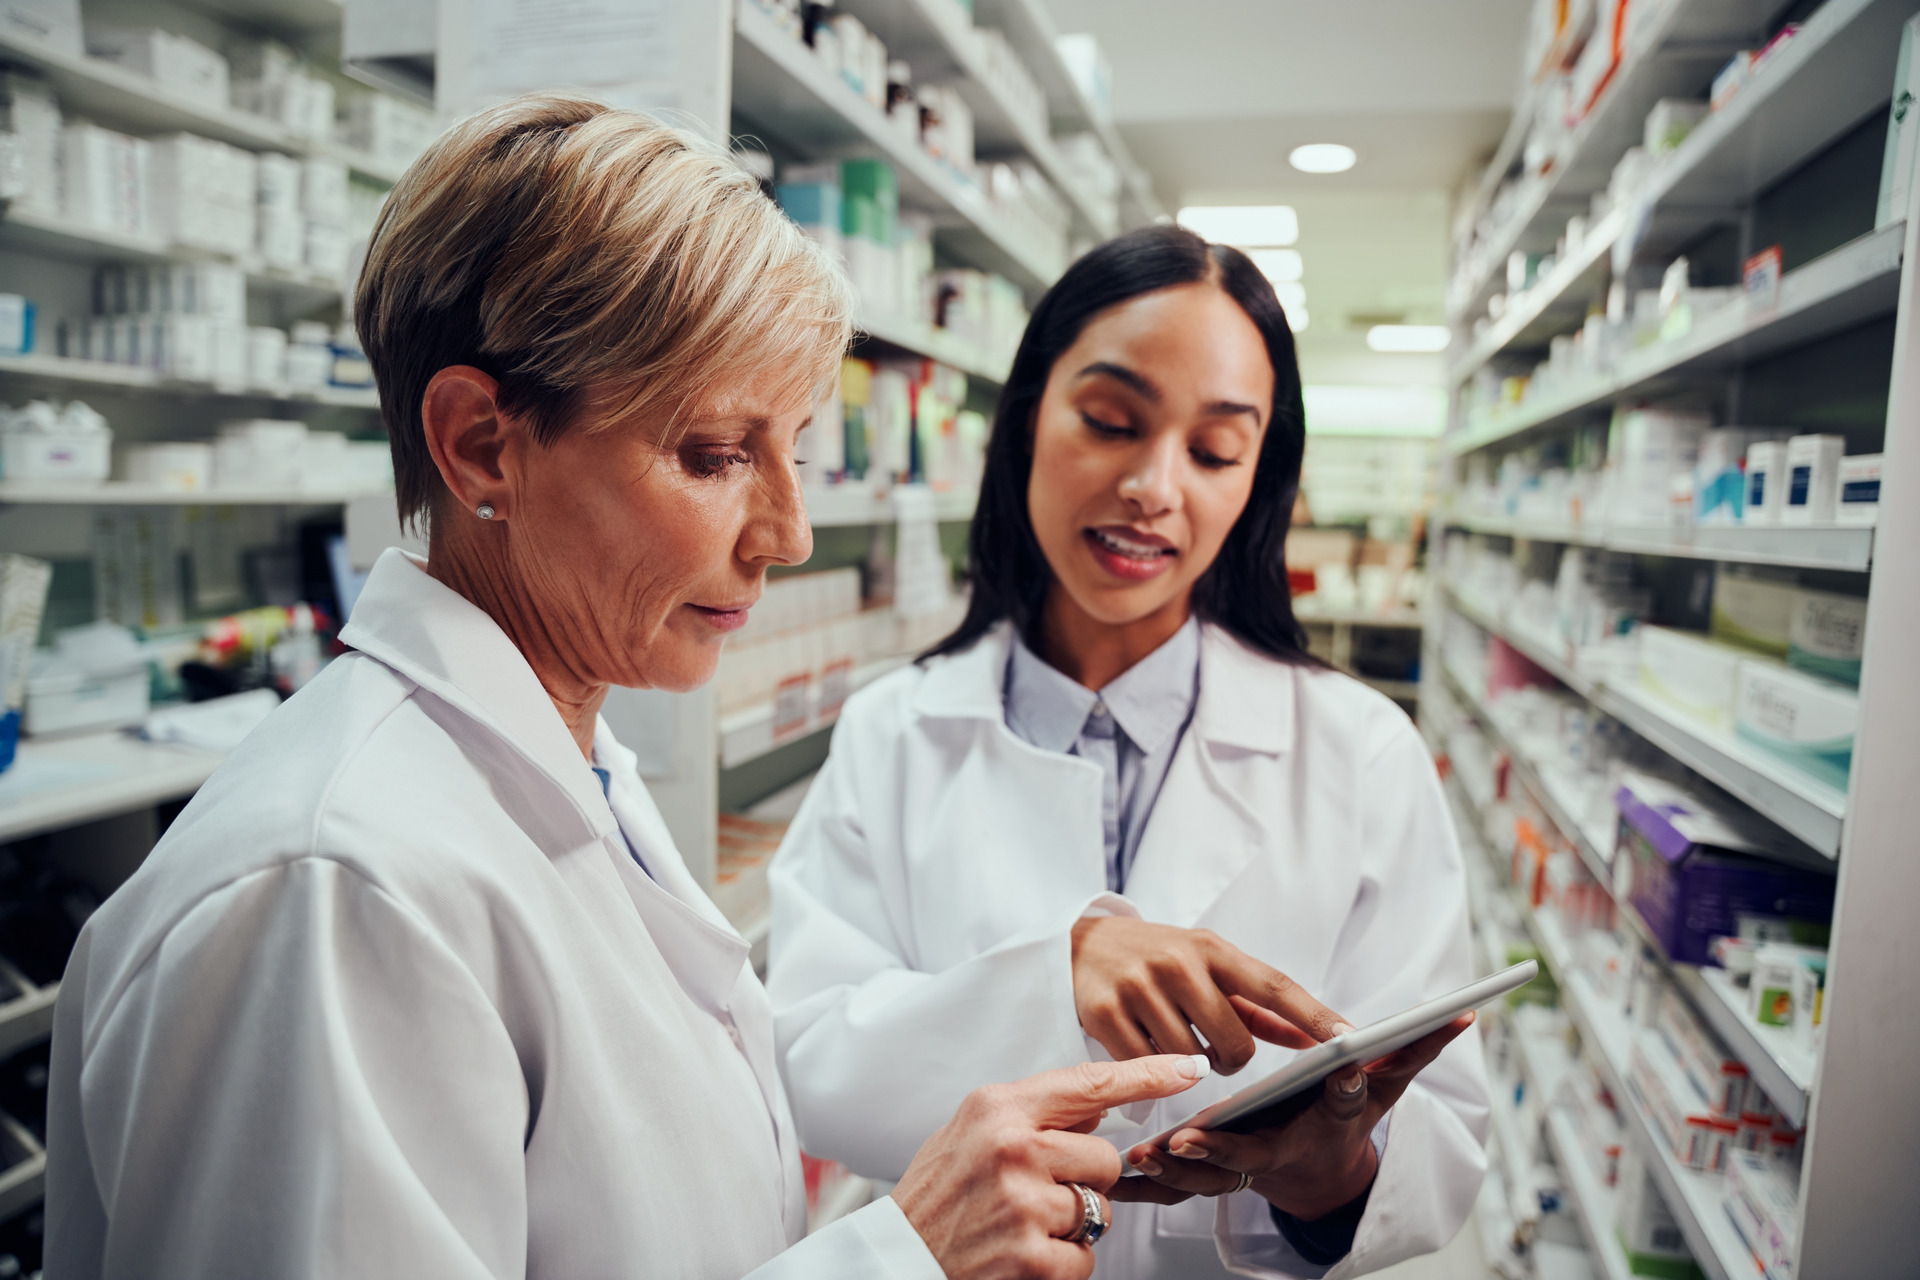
53	22
1813	479
1689	673
16	324
104	177
183	466
1647	450
203	193
66	701
1826	634
392	131
323	191
1810	723
29	111
184	66
266	356
327	249
56	459
1859	497
1766	482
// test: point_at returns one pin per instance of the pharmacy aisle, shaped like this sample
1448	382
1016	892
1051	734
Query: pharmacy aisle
1662	678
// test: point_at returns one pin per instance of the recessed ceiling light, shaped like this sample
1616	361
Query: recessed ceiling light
1401	338
1245	226
1322	157
1278	265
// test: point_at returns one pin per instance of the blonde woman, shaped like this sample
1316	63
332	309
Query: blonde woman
418	984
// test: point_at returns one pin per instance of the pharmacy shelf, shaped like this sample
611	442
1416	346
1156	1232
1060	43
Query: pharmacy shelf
1593	1206
781	89
1695	1199
58	237
1389	620
854	503
1826	546
1557	304
1835	292
101	91
748	734
1775	1060
1798	803
27	1019
63	370
62	782
121	493
935	344
23	1186
1674	55
938	39
1030	30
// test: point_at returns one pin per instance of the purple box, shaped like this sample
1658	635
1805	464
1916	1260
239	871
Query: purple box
1693	868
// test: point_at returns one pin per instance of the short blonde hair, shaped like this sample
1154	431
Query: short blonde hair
565	248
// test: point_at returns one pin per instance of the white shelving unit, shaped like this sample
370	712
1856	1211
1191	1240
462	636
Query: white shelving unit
1855	1181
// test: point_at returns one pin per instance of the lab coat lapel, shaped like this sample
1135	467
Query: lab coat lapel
1204	830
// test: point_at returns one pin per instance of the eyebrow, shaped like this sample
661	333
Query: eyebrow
1147	391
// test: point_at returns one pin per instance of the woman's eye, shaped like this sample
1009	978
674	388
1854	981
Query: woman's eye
712	464
1212	461
1105	428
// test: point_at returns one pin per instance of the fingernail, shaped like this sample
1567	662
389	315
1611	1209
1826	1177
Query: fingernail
1351	1084
1195	1066
1341	1028
1148	1165
1190	1151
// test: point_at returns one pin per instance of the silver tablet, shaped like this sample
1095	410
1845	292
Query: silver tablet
1248	1109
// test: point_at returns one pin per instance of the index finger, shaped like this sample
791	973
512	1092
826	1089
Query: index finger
1063	1098
1239	974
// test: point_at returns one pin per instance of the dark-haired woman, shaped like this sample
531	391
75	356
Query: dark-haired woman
1121	810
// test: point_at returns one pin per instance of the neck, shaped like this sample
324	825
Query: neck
479	564
1097	653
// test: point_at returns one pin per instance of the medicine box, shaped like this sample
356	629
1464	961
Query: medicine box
1692	869
186	67
1770	991
1766	467
1806	721
1679	1116
1647	449
66	458
1652	1239
1813	479
68	701
1826	634
1763	1202
1859	501
1689	673
1753	612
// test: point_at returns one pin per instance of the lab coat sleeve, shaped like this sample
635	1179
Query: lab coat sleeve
1404	941
302	1080
867	1044
874	1243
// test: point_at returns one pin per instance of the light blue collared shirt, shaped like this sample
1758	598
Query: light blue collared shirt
1130	729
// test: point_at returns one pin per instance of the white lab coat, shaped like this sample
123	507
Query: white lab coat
391	998
923	899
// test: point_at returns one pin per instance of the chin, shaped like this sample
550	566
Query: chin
1123	606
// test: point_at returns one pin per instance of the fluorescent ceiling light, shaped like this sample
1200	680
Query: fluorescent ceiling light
1292	295
1296	318
1322	157
1247	226
1375	411
1399	338
1278	265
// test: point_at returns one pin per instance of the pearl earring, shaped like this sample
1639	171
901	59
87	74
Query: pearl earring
484	511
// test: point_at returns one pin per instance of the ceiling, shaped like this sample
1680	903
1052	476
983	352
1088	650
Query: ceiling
1211	95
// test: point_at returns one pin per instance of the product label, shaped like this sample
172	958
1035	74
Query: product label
1756	490
1799	481
1861	491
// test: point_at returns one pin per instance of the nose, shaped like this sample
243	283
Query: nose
1149	481
777	529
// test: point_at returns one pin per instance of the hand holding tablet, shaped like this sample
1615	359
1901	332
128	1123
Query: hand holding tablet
1314	1165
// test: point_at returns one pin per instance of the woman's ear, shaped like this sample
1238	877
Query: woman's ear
468	437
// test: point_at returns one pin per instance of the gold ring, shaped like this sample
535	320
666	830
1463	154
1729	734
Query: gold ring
1246	1180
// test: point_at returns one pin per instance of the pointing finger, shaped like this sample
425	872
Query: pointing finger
1059	1099
1240	974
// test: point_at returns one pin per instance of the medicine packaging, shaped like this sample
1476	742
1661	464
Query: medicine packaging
1689	672
1808	722
1751	611
1827	634
1859	499
1766	482
1813	479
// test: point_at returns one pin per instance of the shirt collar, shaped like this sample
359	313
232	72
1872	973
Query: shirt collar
1150	701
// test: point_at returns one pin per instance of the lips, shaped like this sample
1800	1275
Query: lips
1130	553
722	619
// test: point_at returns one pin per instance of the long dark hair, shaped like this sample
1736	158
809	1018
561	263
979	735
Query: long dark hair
1245	589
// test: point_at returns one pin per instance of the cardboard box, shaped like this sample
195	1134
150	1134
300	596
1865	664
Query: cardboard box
1689	673
1808	722
182	66
1859	500
1826	634
1766	482
1691	869
1752	612
1813	479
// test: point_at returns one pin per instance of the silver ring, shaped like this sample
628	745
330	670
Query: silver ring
1246	1180
1093	1221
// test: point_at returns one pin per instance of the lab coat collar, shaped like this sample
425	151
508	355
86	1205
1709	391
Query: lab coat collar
1241	703
447	645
